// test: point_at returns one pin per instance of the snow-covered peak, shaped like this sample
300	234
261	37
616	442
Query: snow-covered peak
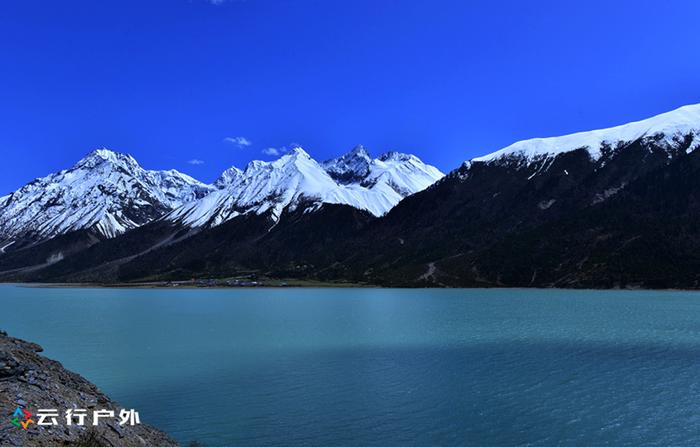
359	151
108	154
106	191
404	173
396	156
229	176
296	178
662	128
352	167
292	160
297	151
104	155
296	156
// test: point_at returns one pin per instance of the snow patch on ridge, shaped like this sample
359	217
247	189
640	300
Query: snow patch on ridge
666	126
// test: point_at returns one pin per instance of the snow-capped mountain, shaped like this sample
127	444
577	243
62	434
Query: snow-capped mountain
229	176
295	178
404	173
666	130
105	191
351	168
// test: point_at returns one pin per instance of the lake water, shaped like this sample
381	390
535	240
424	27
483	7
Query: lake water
372	367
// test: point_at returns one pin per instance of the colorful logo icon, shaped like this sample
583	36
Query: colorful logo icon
21	418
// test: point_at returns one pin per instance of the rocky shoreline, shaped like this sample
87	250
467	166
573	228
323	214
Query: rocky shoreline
31	381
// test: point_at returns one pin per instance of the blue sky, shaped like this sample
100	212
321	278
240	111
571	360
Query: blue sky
220	83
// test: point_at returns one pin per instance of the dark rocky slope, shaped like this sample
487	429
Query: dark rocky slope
626	219
299	245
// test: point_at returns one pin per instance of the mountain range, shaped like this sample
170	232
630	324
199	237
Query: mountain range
105	191
607	208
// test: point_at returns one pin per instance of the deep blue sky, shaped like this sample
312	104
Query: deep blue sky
169	80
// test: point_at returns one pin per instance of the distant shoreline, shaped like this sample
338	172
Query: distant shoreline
194	285
187	285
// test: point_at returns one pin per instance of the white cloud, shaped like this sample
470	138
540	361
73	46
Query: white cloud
196	162
271	151
238	141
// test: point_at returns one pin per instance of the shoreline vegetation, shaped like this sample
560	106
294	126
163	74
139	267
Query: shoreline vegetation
229	283
304	284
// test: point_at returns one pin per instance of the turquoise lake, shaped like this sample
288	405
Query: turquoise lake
379	367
